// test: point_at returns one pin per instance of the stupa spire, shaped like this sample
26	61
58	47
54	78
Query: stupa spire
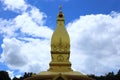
60	47
60	66
60	8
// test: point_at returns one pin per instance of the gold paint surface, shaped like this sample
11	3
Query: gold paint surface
60	47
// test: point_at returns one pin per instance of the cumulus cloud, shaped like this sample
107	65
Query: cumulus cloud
26	40
11	74
15	5
95	43
32	24
29	57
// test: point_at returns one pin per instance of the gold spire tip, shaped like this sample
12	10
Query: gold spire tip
60	7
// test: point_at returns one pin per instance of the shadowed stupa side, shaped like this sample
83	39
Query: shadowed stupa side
60	66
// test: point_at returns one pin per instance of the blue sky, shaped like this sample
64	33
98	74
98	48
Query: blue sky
73	9
26	27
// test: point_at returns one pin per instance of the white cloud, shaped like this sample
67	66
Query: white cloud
29	23
15	5
11	74
29	57
11	52
95	39
26	40
32	24
6	27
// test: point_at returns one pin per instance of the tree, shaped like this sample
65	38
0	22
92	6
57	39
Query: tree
118	75
4	75
26	75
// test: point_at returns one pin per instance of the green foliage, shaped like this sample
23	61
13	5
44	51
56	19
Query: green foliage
109	76
4	75
26	75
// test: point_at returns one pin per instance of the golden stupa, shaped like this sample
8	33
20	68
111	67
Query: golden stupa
60	66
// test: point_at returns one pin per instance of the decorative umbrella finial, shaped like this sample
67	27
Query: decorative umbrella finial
60	8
